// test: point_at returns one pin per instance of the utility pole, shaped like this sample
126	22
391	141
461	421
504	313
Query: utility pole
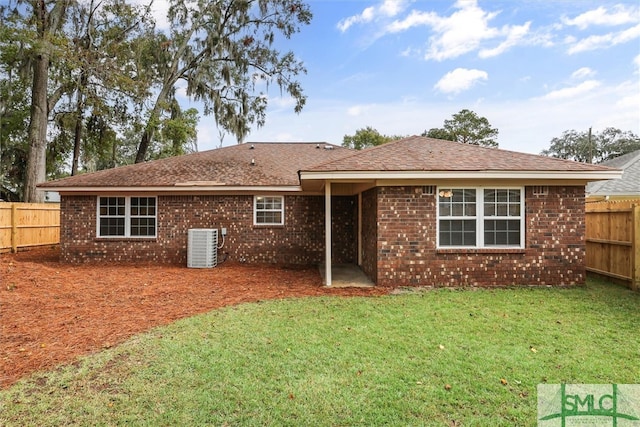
590	147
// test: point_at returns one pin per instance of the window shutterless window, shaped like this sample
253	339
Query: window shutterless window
268	210
502	217
127	217
481	218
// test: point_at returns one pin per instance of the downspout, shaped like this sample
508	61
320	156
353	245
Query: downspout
327	232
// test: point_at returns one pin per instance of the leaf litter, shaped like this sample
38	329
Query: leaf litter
51	312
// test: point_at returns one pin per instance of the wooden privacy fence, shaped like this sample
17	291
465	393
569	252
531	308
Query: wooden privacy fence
28	224
613	240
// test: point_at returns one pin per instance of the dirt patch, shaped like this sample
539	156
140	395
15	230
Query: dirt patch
51	312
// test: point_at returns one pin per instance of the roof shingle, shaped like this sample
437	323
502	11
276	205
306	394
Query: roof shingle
417	153
276	164
628	185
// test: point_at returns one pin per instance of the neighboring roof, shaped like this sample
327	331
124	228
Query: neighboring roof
628	185
276	164
417	153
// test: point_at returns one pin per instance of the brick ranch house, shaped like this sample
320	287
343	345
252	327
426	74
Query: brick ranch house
417	211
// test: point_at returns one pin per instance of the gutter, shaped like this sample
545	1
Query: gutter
490	174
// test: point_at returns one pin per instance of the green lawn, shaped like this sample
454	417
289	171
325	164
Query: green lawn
349	361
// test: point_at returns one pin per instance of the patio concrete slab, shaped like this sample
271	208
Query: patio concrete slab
346	276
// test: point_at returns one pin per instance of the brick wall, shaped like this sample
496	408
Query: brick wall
344	229
399	237
299	241
406	243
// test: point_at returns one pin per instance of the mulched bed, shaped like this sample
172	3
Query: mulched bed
52	312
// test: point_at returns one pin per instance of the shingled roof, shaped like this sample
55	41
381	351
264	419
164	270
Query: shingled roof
274	164
628	185
279	165
417	153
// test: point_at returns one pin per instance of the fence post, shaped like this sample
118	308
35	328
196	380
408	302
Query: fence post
14	228
635	247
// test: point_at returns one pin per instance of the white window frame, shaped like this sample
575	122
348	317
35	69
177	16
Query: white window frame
255	210
480	217
127	218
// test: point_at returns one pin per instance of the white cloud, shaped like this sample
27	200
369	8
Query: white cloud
461	32
282	102
582	73
415	19
619	15
365	16
515	34
357	110
525	125
181	89
392	7
636	61
606	40
410	51
388	9
570	39
459	80
159	12
629	102
571	92
210	136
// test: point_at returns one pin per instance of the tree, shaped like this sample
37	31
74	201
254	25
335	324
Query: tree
365	138
105	34
178	134
593	148
83	54
49	18
104	82
225	53
468	128
14	117
615	142
439	133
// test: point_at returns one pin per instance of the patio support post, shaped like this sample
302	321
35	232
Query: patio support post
360	229
327	232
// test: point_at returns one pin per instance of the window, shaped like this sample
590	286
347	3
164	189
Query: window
502	217
143	216
268	210
126	217
481	218
459	209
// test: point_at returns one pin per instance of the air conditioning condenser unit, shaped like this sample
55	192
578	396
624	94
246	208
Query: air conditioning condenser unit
202	248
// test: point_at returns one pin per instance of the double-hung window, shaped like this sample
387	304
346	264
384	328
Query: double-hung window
127	217
458	219
481	217
268	210
502	217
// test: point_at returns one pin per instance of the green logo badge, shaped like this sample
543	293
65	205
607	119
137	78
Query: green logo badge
610	405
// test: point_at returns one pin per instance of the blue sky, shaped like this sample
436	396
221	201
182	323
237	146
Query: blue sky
533	68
